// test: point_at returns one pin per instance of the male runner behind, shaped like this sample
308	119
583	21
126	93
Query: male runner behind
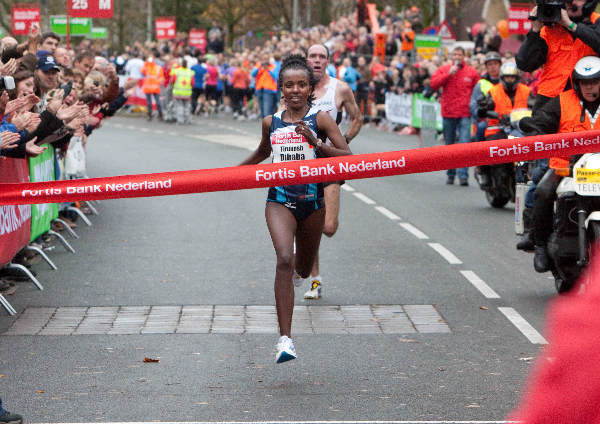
332	96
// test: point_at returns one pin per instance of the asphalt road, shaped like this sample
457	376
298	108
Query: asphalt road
403	241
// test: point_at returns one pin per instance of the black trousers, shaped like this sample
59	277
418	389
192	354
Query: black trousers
543	207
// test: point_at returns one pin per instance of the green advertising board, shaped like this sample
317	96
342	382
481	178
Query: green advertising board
41	168
417	106
77	26
99	33
422	40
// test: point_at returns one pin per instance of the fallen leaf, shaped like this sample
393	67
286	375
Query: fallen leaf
41	391
1	375
483	308
151	360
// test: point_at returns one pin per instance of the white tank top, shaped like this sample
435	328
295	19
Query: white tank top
327	102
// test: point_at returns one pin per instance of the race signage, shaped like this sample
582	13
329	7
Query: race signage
77	26
23	16
99	33
165	28
197	38
370	165
444	31
41	168
398	108
90	8
518	19
380	46
427	46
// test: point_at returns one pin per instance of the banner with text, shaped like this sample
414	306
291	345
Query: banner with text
197	38
303	172
23	16
41	168
165	28
417	107
102	9
398	108
15	218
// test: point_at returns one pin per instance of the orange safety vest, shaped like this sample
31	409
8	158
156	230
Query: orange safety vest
563	54
503	104
153	78
570	121
408	45
264	80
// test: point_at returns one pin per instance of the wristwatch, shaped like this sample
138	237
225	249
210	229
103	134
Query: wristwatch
319	144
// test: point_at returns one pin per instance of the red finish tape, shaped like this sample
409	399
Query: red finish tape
301	172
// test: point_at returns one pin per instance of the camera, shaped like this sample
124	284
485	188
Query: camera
548	11
7	83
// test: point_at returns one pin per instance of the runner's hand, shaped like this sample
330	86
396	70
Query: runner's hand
303	130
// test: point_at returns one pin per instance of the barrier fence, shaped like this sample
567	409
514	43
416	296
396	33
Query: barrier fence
20	222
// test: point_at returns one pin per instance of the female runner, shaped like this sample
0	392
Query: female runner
295	211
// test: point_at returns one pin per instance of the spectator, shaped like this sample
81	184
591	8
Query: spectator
84	62
63	58
215	38
457	80
49	42
133	68
240	81
153	79
198	89
182	93
362	88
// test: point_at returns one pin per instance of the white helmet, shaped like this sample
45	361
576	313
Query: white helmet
587	67
509	69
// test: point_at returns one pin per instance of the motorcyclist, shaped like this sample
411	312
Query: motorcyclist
492	62
557	47
573	110
509	94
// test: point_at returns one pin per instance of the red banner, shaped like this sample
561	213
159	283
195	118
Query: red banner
165	28
90	8
518	19
23	16
303	172
15	221
197	38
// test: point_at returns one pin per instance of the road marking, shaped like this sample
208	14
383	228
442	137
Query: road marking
348	188
388	213
364	198
445	253
302	422
524	327
414	231
480	285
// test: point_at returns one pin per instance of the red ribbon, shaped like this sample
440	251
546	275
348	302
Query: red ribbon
303	172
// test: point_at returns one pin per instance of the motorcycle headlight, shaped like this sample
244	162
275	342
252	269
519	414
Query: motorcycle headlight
593	162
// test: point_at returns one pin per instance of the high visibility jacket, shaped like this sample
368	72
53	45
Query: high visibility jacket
183	82
504	106
563	54
570	121
485	85
264	79
408	41
153	78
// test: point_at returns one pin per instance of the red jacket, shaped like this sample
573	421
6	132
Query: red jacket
457	89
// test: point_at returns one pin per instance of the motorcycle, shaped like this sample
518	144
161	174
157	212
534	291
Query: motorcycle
499	186
576	222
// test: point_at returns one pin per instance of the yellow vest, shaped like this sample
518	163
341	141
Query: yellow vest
183	82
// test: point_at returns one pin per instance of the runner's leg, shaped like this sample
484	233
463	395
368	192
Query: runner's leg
332	222
308	238
282	228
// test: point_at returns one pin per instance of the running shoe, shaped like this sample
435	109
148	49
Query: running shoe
315	290
297	279
8	418
285	350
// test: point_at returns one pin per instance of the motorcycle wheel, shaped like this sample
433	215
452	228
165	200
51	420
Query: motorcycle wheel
563	285
496	201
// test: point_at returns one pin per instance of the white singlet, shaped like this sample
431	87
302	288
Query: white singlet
327	102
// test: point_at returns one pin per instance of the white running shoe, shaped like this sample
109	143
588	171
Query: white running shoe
315	290
285	350
297	280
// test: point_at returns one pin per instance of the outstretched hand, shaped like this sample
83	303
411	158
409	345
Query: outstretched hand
33	149
9	140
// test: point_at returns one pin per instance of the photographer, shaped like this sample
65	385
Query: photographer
561	34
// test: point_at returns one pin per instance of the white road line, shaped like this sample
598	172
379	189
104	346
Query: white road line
364	198
480	285
386	212
348	188
524	327
445	253
302	422
174	134
414	231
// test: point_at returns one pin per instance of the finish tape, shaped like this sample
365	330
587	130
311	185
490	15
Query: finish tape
351	167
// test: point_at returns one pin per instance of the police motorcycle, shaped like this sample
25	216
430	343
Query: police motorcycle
576	218
499	181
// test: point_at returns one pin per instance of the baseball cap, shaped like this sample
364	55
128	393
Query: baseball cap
46	63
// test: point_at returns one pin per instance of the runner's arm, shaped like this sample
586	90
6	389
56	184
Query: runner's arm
327	125
351	108
264	147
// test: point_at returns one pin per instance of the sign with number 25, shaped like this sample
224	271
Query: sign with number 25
91	8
